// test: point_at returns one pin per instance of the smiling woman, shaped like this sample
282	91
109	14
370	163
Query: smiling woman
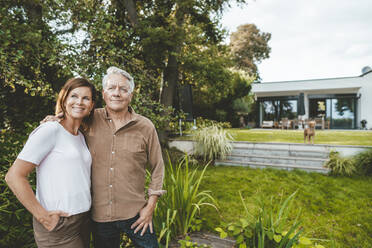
62	161
76	100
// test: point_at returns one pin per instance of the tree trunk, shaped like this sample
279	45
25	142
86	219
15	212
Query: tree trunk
130	6
170	81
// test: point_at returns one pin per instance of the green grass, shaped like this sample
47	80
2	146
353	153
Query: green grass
337	208
332	137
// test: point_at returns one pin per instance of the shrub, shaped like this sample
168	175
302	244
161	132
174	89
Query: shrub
270	228
15	220
340	165
188	243
363	163
212	142
202	122
177	211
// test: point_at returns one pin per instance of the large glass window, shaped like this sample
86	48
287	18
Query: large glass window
343	113
275	110
339	112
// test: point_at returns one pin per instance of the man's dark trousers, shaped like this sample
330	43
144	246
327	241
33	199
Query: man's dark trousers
108	234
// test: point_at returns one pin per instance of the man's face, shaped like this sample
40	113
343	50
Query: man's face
116	93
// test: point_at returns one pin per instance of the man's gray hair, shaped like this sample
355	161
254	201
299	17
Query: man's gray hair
115	70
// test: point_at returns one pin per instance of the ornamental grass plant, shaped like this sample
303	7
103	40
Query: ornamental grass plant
363	163
177	211
338	165
212	142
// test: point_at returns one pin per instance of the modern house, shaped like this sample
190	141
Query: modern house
340	103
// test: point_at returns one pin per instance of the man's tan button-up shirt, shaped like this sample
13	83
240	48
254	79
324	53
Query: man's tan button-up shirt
118	166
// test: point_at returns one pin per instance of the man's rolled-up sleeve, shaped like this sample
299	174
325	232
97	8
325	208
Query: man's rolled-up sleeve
157	164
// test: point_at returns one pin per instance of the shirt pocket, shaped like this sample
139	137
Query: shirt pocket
133	143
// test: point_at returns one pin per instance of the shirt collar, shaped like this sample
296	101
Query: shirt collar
130	109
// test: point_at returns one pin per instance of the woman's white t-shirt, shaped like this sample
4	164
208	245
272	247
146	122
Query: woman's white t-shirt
63	171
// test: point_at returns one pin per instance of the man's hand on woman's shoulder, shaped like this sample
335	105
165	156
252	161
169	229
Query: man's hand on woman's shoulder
57	117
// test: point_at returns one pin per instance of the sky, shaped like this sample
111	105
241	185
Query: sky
309	39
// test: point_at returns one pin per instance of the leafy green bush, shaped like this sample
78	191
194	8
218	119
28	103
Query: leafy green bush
340	165
15	220
363	163
271	227
177	211
188	243
212	142
202	122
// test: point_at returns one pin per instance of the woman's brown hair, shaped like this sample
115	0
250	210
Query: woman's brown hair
71	84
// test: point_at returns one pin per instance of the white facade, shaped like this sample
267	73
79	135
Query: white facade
360	86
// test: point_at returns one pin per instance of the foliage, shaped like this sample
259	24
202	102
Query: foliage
32	61
212	142
340	165
363	163
202	123
221	108
243	105
15	220
187	242
332	208
269	228
177	211
186	35
249	46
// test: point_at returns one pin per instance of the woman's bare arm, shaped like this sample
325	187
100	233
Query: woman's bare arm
17	181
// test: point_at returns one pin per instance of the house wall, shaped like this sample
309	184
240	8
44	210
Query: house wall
361	86
366	100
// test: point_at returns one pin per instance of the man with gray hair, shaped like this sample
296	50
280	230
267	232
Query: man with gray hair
122	142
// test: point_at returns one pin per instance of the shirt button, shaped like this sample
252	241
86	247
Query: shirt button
110	185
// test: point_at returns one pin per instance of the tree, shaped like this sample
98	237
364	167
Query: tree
170	26
249	46
162	43
31	61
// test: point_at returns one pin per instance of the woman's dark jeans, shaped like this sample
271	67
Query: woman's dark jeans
107	234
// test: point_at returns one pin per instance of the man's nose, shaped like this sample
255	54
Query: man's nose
116	91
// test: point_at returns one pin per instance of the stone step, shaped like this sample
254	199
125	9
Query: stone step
280	152
271	159
270	165
284	146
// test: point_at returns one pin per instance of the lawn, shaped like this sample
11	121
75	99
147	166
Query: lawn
332	137
332	208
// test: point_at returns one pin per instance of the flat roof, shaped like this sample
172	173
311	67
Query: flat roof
307	80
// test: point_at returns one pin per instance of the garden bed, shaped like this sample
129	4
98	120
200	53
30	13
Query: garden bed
332	208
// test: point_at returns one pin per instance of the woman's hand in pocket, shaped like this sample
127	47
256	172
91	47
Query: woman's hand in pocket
52	219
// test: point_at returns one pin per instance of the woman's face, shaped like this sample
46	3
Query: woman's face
79	103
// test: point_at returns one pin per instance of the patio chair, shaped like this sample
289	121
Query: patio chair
267	124
285	123
319	123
